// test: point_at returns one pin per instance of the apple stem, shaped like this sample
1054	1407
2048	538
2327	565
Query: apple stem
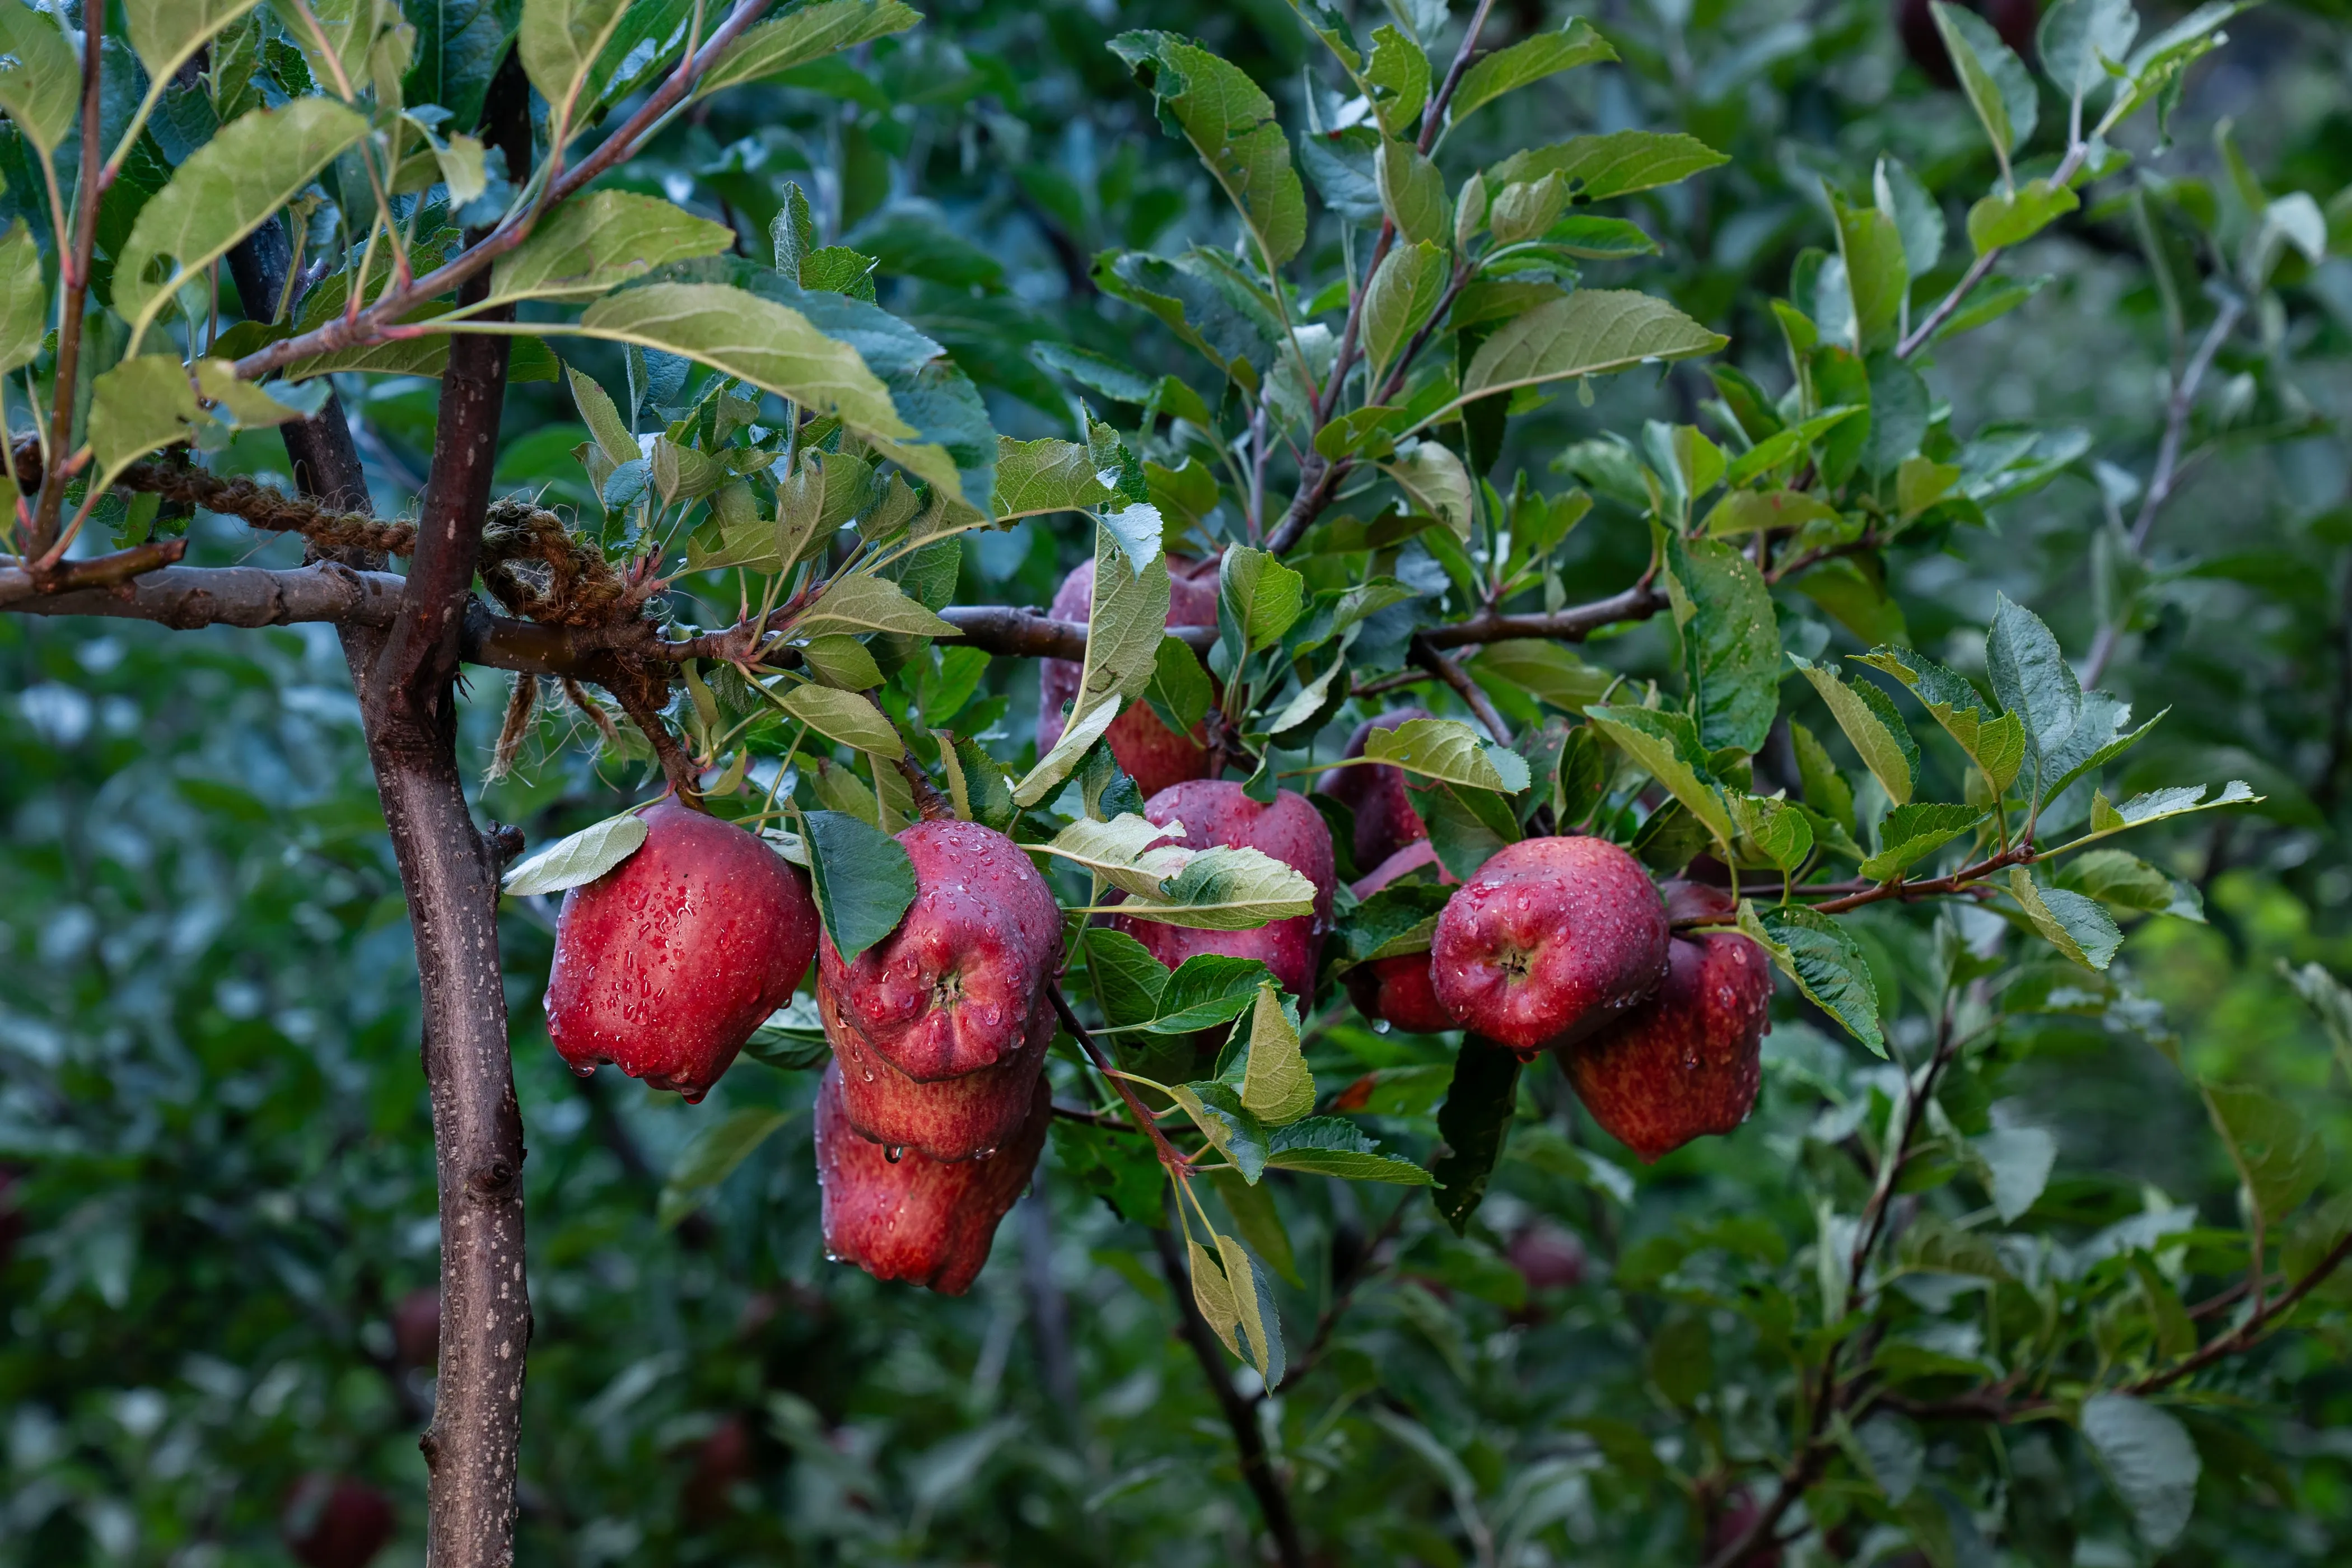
1178	1167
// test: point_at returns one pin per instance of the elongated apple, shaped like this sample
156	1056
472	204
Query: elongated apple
1148	752
1385	819
941	1026
1688	1061
1552	940
1218	812
665	965
926	1221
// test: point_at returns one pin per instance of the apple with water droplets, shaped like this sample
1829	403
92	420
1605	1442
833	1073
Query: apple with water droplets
928	1222
1217	812
941	1026
1385	818
1551	941
1688	1061
1148	751
665	964
1398	990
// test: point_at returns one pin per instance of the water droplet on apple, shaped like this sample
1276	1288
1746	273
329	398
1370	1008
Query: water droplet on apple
894	1153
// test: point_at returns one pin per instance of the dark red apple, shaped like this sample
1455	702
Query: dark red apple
665	965
1688	1061
1547	1256
926	1221
1553	939
334	1522
416	1330
1398	990
941	1026
1147	751
1216	811
1385	819
1410	859
721	1460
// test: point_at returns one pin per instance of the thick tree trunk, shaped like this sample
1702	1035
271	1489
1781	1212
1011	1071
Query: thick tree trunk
404	676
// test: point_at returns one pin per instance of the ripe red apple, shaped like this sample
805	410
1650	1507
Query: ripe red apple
665	965
922	1220
1216	811
1688	1061
416	1330
1552	940
1547	1256
1147	751
1385	819
334	1522
1399	990
941	1026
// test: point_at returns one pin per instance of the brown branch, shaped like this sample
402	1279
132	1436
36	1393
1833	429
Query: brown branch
74	275
1455	676
98	573
1638	602
260	505
375	323
685	778
2250	1332
1169	1156
1241	1414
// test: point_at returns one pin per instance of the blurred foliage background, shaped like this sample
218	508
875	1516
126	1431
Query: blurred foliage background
219	1208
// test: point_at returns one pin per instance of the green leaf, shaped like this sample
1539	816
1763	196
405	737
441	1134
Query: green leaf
862	877
1435	480
2280	1160
809	33
772	347
2074	925
559	42
2328	1000
578	859
1741	512
2149	1460
1403	294
2078	40
1871	723
1212	1296
1999	87
1666	746
166	33
1912	833
1472	1122
1398	77
1877	275
1615	164
862	602
1449	750
459	45
595	242
1217	1110
225	191
1727	638
1825	789
2158	805
1117	1167
1776	830
40	76
2015	1164
1227	888
2032	678
2123	880
1275	1086
1516	66
1125	628
1205	990
711	1156
1259	596
1121	851
2012	218
1335	1146
148	401
1995	741
848	717
1254	1306
1231	124
1180	692
1812	949
1260	1223
1546	670
1917	216
1593	331
1128	981
1526	209
1785	446
1412	193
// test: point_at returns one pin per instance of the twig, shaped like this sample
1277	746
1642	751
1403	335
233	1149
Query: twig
1170	1155
1455	676
74	275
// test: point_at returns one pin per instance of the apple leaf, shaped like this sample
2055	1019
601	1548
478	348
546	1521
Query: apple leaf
1476	1114
848	717
1911	833
1450	751
862	879
1812	949
1275	1086
1228	1125
1121	851
2074	925
1878	732
1205	990
1335	1146
579	859
2150	1460
712	1156
1227	888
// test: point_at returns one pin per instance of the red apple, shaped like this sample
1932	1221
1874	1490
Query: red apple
1216	811
1688	1061
665	965
1147	751
1552	940
416	1330
1385	819
914	1219
333	1522
1399	990
941	1026
1547	1256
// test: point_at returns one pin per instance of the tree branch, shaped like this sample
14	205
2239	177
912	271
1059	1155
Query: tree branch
1455	676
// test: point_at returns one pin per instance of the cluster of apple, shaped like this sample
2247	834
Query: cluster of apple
934	1109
